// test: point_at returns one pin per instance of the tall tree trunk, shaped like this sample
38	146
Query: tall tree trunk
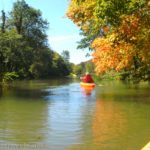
3	21
18	24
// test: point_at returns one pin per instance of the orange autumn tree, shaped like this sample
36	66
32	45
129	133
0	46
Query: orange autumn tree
118	32
107	56
126	48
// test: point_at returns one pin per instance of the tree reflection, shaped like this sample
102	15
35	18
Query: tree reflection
108	123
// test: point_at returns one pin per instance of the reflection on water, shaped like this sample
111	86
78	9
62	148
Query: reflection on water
60	114
109	123
66	115
87	91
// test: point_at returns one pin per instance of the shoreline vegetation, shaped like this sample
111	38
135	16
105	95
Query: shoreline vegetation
119	52
24	49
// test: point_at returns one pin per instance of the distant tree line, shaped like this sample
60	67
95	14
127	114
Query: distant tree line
24	49
83	67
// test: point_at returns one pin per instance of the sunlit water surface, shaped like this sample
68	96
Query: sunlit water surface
60	115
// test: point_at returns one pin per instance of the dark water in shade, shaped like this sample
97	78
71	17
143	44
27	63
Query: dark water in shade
59	115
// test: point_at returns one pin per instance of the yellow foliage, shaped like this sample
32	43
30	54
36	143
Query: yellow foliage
118	48
108	56
82	14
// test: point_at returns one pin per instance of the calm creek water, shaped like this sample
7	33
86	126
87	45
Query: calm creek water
59	115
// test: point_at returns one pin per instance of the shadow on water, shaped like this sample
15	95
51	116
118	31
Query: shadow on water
125	92
34	89
29	93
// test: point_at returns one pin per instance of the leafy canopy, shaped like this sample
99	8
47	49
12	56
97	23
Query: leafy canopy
119	33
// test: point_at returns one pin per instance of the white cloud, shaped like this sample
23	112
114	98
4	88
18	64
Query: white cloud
69	42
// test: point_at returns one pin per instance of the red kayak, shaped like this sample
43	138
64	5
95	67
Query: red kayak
87	85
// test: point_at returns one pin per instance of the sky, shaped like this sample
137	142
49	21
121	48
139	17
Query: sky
63	34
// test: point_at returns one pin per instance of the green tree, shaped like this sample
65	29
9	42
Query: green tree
9	44
66	55
58	66
29	23
24	50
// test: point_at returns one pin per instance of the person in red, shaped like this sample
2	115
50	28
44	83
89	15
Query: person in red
87	78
